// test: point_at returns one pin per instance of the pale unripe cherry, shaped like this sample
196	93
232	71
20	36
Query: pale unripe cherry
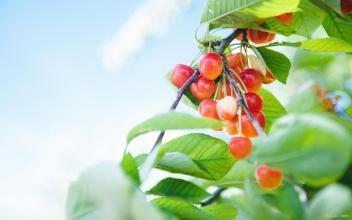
257	65
227	108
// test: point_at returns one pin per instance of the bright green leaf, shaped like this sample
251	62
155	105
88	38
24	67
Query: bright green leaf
332	202
276	62
130	168
182	209
180	188
199	155
272	108
170	121
326	45
221	211
313	148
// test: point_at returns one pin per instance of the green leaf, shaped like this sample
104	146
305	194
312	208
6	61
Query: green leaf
229	13
198	155
140	159
236	176
272	108
332	202
172	120
182	209
306	21
309	97
179	188
333	4
326	45
221	211
313	148
337	27
276	62
130	168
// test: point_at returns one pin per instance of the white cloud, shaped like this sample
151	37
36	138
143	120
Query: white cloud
150	19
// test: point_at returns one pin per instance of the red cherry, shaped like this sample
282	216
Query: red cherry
237	61
248	129
254	102
269	77
210	66
240	147
207	108
180	74
269	178
260	37
285	18
203	88
227	108
231	127
346	6
252	79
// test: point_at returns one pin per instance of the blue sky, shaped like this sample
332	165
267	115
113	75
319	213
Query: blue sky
61	110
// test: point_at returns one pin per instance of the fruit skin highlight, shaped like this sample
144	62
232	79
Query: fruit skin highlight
227	108
203	88
240	147
269	178
180	74
254	102
252	79
207	108
210	66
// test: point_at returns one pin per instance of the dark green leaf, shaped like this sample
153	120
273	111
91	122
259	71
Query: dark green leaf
172	121
312	147
130	168
337	27
198	155
179	188
276	62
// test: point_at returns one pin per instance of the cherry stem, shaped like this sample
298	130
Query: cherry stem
215	196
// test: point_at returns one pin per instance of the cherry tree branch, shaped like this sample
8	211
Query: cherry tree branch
215	196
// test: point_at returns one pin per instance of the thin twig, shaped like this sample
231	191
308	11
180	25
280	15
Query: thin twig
215	196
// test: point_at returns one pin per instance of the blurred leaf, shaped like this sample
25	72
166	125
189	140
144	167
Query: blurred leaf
221	211
272	108
179	188
172	120
198	155
182	209
130	168
238	13
236	176
333	4
313	148
276	62
337	27
316	61
309	97
140	159
326	45
332	202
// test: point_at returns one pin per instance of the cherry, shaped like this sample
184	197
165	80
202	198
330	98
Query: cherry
260	37
254	102
210	66
346	6
285	18
227	108
207	108
248	129
231	127
180	74
203	88
268	178
240	147
252	79
237	61
268	78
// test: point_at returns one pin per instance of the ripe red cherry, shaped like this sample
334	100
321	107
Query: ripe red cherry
285	18
231	127
268	178
346	6
260	37
268	78
210	66
227	108
207	108
252	79
203	88
248	129
240	147
237	61
254	102
180	74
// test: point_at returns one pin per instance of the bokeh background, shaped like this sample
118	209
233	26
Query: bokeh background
77	75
